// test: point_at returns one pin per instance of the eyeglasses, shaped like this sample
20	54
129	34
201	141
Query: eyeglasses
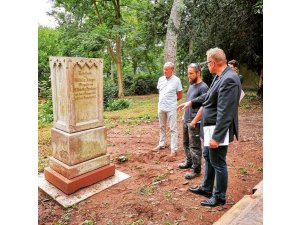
208	62
205	63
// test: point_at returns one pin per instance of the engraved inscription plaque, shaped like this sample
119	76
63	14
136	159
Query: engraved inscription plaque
77	92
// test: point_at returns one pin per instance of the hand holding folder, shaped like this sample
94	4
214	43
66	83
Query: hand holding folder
208	132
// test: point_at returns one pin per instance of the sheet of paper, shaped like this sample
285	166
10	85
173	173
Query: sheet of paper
242	95
208	132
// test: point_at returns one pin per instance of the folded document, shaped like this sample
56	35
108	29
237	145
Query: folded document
208	132
242	95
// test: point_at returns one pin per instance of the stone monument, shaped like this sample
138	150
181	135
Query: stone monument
78	135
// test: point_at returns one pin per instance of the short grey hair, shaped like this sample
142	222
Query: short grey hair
169	64
217	55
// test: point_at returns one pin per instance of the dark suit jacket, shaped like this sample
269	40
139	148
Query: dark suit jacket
220	105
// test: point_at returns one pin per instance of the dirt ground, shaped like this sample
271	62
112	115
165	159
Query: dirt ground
156	192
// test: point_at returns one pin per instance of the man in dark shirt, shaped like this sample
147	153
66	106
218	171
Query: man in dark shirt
191	137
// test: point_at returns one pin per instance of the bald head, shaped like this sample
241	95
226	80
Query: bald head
217	55
216	60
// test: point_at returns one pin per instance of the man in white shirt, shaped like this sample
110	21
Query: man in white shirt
170	91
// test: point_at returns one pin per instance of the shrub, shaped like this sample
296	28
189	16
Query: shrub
110	91
44	89
128	82
118	104
45	112
144	84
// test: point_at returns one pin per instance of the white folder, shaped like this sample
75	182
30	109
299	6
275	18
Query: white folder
208	132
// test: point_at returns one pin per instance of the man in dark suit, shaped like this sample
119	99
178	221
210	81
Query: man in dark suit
220	110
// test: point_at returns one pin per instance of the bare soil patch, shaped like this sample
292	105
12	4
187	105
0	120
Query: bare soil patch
156	192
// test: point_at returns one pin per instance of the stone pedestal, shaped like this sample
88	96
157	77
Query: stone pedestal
74	148
78	137
80	168
69	186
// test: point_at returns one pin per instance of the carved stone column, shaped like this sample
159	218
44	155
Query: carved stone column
78	135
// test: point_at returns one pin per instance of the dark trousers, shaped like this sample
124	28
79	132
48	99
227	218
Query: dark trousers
215	168
192	145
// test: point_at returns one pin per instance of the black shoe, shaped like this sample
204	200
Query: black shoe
184	165
199	191
192	175
213	201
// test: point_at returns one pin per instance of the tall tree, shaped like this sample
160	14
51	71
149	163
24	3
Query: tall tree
115	55
172	31
101	20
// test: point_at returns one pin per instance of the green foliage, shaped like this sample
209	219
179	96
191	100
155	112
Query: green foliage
45	150
48	45
157	162
128	82
252	165
168	223
88	222
122	158
258	7
146	190
90	28
110	91
144	84
117	104
45	114
168	194
249	101
232	25
243	171
65	218
137	222
142	109
44	88
157	178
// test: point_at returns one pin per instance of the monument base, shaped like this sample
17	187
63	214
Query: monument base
82	194
69	186
71	172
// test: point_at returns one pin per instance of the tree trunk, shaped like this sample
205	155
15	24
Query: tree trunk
119	67
116	57
117	8
173	26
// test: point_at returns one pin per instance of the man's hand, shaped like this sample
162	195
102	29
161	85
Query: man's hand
184	106
193	124
213	143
